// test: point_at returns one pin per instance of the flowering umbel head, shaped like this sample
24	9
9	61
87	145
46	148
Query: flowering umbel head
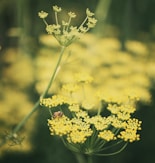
63	31
82	131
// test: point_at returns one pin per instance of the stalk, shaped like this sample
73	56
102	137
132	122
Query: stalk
25	119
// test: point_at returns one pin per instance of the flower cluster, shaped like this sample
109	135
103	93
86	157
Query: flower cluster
64	32
83	131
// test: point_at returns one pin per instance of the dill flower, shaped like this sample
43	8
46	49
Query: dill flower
89	13
42	14
74	108
65	33
133	124
56	8
107	135
79	132
99	122
82	131
59	126
54	101
72	14
116	122
129	135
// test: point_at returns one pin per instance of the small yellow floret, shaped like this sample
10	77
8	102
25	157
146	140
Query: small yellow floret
74	108
56	8
42	14
78	136
123	115
129	135
117	123
80	131
82	114
107	135
99	122
54	101
59	126
72	14
133	124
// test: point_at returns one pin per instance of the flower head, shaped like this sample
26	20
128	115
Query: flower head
129	135
59	126
91	22
66	33
107	135
56	8
42	14
89	13
72	14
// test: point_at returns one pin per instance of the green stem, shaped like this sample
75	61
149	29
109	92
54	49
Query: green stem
114	153
24	120
80	158
69	21
90	159
83	22
56	18
54	72
45	22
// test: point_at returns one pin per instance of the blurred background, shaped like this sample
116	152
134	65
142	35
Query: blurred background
119	52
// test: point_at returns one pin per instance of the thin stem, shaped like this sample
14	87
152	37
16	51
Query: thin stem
105	148
56	18
24	120
83	22
114	153
45	22
99	111
69	21
54	72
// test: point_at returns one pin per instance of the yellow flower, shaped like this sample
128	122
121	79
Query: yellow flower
107	135
67	34
54	101
133	124
59	126
91	22
117	123
129	135
49	29
89	13
123	111
42	14
72	14
82	114
80	131
74	108
77	136
123	115
53	29
56	8
99	122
